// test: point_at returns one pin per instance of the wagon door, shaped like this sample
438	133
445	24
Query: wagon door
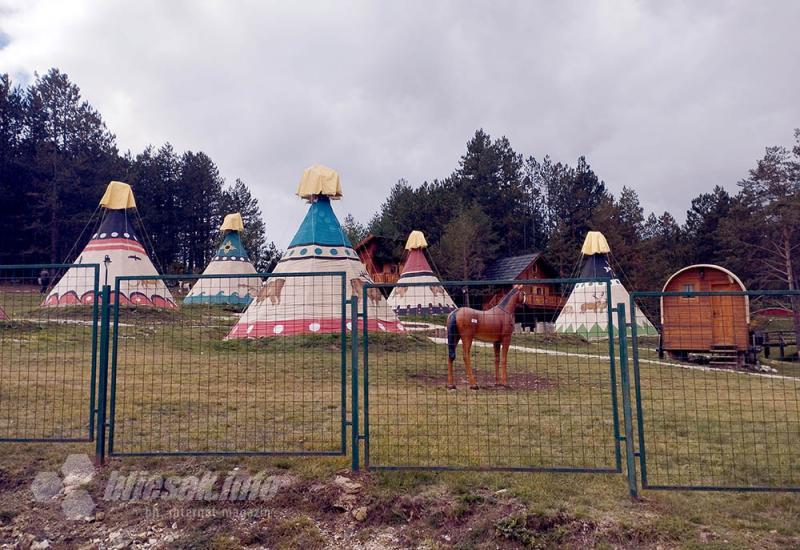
723	314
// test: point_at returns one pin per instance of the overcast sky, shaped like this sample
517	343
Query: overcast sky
670	98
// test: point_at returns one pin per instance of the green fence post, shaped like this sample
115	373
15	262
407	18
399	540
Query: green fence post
100	442
637	387
365	376
627	415
344	367
93	374
354	381
613	378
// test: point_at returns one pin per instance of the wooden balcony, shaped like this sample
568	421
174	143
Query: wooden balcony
385	277
541	300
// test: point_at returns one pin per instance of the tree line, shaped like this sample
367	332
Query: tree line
498	202
56	158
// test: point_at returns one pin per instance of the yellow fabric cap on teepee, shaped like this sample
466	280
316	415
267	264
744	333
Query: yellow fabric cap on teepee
416	240
595	243
233	222
319	180
118	196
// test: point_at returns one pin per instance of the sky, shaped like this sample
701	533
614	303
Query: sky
669	98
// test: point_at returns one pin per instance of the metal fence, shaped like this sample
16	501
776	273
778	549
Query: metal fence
48	344
699	390
542	398
237	366
712	411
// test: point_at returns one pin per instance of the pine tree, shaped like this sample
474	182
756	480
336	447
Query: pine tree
13	172
702	227
200	192
354	229
762	231
72	157
155	178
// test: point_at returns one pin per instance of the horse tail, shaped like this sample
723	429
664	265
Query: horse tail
452	335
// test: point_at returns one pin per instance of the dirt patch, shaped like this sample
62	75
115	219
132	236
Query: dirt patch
516	381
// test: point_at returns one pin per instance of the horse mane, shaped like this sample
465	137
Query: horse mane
507	297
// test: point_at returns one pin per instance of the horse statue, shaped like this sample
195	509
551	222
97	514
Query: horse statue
494	325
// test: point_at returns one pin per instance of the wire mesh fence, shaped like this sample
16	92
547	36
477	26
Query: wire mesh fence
714	412
47	352
539	391
245	363
257	363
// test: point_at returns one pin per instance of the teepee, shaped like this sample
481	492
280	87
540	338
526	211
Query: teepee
231	258
312	303
586	310
117	247
429	299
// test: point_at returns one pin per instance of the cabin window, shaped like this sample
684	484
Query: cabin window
538	291
688	287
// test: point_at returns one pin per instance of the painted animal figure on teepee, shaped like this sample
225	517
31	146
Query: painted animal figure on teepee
495	325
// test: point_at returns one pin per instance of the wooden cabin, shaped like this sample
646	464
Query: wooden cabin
377	254
718	325
545	298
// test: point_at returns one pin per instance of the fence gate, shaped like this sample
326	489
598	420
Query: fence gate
48	344
556	412
720	425
213	375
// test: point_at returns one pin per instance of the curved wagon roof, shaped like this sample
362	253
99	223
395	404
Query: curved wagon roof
728	272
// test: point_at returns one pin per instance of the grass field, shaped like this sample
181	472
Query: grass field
181	388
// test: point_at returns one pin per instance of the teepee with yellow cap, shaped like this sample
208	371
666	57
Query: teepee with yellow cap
231	259
311	301
117	247
421	299
586	311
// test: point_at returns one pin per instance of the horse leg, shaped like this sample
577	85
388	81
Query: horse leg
466	344
504	369
497	362
451	384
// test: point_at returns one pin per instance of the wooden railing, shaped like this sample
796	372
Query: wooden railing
541	300
385	277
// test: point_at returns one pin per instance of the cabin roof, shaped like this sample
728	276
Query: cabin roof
364	242
511	267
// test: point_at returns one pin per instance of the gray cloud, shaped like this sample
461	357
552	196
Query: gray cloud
668	98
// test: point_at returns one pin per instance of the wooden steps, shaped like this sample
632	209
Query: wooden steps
724	356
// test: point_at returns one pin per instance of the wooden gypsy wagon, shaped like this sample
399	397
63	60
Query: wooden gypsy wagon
715	326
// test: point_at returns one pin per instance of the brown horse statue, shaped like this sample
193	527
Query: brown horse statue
494	325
